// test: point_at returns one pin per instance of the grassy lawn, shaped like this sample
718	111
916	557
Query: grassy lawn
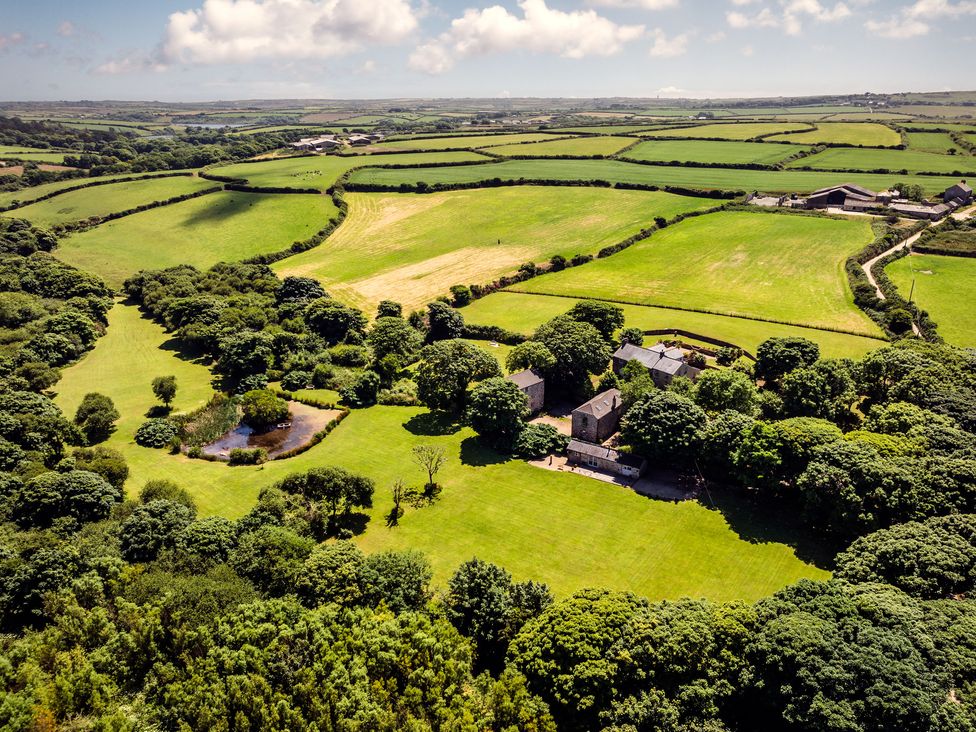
559	528
38	157
778	266
841	158
220	227
322	171
523	313
934	142
458	142
102	200
946	288
609	129
730	131
35	192
706	151
846	133
413	247
583	146
731	179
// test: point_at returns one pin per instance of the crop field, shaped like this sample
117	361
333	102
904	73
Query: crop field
322	171
778	266
582	146
412	247
618	171
946	288
846	158
933	142
868	134
8	198
607	129
704	151
458	142
101	200
501	510
220	227
730	131
523	313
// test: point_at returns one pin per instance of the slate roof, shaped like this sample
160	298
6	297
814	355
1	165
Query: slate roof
526	379
657	358
850	188
606	453
602	404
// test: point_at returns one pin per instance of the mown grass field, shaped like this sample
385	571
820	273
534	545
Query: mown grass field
706	151
458	142
946	288
103	200
779	266
34	192
618	171
846	158
56	158
933	142
869	134
413	247
219	227
730	131
583	146
523	313
559	528
608	129
322	171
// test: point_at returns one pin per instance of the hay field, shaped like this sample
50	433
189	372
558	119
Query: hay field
705	151
730	131
868	134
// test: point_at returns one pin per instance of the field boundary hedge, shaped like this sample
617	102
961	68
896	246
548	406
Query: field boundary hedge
93	221
90	184
926	326
305	244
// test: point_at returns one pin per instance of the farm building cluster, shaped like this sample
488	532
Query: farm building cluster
596	422
331	143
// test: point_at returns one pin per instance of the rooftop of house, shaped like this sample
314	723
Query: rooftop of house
850	188
961	185
654	357
606	453
602	404
527	378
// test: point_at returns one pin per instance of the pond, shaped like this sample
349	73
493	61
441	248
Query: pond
303	423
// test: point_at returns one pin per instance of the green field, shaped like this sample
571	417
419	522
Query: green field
933	142
558	528
846	158
581	146
322	171
608	129
220	227
936	126
730	131
413	247
57	158
34	192
523	313
778	266
458	142
102	200
869	134
946	288
704	151
770	181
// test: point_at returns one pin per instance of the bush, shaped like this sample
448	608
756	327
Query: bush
155	433
95	417
245	456
538	440
346	355
262	407
296	380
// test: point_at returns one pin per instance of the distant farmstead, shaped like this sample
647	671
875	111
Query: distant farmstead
317	144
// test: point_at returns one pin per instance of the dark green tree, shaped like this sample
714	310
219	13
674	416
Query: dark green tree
448	367
497	410
664	426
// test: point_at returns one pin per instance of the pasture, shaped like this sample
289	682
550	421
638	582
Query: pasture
846	158
457	142
933	142
581	146
730	131
523	313
413	247
56	158
618	171
322	171
946	288
25	195
558	528
607	129
779	266
868	134
220	227
705	151
102	200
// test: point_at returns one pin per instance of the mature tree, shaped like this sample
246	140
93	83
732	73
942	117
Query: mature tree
578	348
393	336
211	539
879	371
664	426
443	322
272	558
497	410
156	432
332	320
104	461
448	367
431	459
299	290
824	390
720	440
75	494
529	355
718	391
799	438
164	388
604	316
153	527
538	440
362	390
757	458
262	408
478	604
332	573
163	489
399	580
95	417
389	309
331	490
633	336
776	357
245	354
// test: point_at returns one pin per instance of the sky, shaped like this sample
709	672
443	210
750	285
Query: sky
199	50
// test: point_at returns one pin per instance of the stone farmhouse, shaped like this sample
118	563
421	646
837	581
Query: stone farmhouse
531	383
325	143
960	194
605	459
663	362
852	197
599	418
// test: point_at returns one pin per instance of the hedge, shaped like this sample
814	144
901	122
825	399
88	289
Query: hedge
303	246
89	184
93	221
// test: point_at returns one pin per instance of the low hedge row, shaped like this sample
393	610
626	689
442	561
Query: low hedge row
645	233
492	333
303	246
89	184
241	188
93	221
926	325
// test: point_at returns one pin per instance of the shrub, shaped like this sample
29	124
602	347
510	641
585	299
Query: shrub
155	433
245	456
346	355
262	407
296	380
539	440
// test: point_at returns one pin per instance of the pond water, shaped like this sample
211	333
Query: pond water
304	422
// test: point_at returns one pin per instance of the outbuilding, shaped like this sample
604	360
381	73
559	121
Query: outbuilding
533	385
605	459
598	418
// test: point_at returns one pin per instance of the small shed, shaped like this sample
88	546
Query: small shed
533	385
598	418
605	459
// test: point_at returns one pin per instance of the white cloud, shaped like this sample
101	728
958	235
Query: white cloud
898	27
645	4
716	37
670	91
541	29
66	29
233	31
792	17
764	19
914	20
748	51
11	40
129	64
740	3
665	47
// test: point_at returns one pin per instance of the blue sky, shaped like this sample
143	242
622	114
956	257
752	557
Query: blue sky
194	50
